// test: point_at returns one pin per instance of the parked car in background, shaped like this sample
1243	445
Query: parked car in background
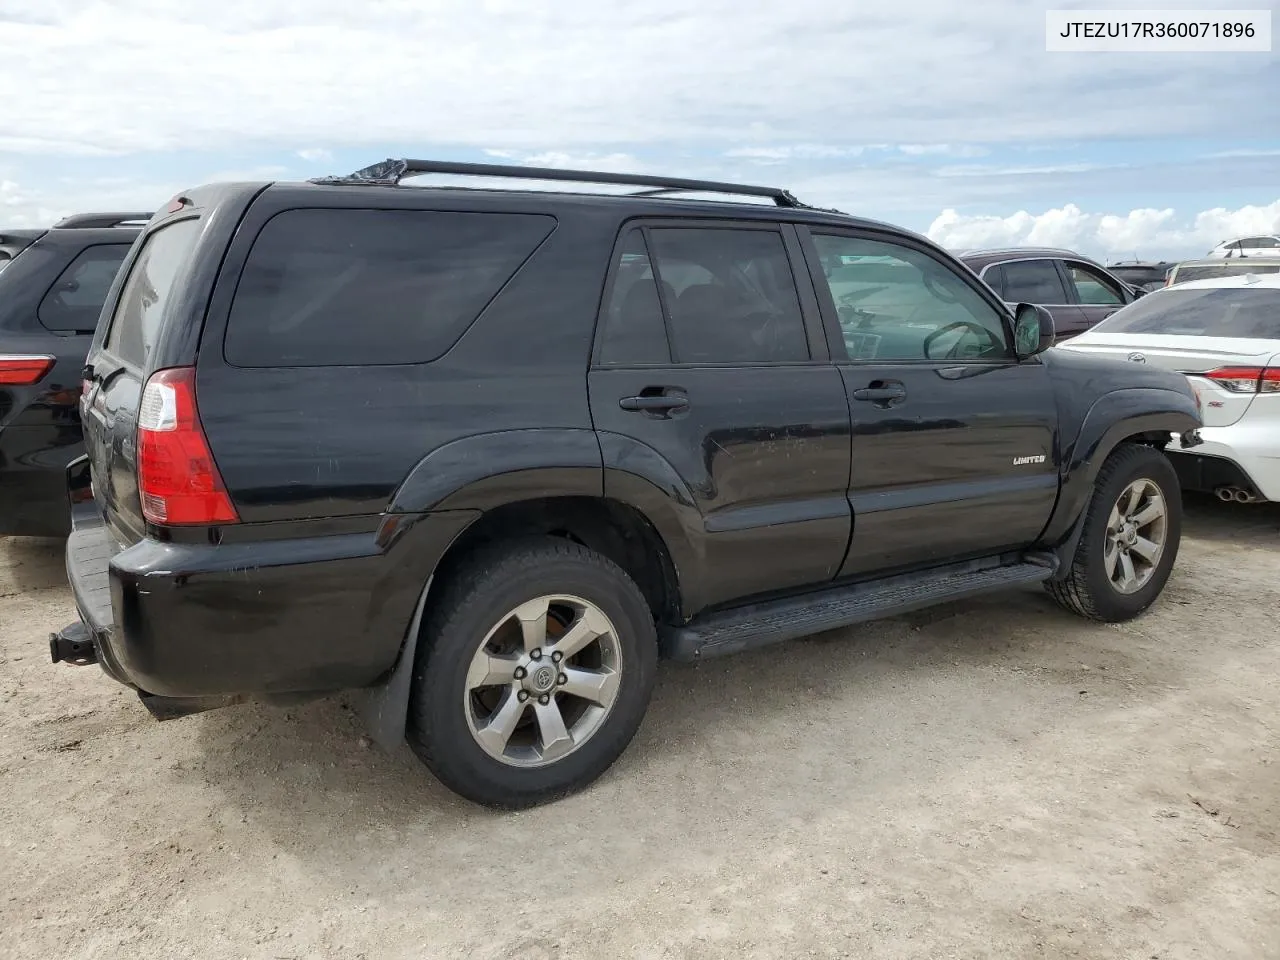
1077	291
1216	267
491	453
1145	275
1223	334
1260	245
52	286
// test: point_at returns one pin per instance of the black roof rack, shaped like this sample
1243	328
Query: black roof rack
391	172
86	221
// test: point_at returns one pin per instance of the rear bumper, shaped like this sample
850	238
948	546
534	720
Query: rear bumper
302	614
1245	453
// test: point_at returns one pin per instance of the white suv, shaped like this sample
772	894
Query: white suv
1224	334
1264	245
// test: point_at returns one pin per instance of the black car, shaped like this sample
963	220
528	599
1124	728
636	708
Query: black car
1143	275
490	454
1076	290
52	284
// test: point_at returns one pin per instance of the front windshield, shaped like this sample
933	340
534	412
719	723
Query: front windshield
1231	312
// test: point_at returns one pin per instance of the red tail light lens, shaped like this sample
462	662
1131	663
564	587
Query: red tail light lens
23	371
1247	379
177	479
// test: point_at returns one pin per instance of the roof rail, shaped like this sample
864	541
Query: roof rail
86	221
391	172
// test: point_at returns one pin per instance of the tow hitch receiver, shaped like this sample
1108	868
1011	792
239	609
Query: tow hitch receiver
73	644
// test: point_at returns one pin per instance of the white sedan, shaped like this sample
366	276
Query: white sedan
1224	334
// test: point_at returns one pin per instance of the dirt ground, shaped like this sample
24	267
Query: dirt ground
988	779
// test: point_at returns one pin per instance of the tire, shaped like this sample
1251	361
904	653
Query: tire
447	721
1088	588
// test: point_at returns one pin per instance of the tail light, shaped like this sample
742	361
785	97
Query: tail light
23	371
1247	379
177	479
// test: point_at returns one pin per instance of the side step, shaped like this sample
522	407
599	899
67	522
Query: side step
762	624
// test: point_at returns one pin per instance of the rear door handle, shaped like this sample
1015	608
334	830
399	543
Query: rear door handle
655	404
881	390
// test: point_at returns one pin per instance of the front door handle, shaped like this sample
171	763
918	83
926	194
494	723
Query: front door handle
881	391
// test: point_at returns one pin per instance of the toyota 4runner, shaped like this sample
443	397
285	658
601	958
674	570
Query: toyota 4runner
491	453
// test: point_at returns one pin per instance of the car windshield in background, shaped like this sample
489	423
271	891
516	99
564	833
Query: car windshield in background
1208	271
1234	312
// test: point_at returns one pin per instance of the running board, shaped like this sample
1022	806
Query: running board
762	624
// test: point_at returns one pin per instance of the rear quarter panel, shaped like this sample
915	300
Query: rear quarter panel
305	442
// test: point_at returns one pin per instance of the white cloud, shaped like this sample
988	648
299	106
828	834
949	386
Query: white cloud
153	75
1144	232
942	149
316	155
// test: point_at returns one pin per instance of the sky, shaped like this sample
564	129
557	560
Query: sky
947	118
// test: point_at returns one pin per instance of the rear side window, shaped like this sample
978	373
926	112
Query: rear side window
1033	281
368	287
633	330
730	294
136	322
75	299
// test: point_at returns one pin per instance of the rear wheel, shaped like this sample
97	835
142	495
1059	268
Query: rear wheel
1130	539
534	675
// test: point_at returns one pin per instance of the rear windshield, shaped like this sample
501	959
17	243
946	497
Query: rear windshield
1237	312
1207	271
370	287
136	322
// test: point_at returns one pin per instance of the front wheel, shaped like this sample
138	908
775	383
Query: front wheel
1130	539
534	673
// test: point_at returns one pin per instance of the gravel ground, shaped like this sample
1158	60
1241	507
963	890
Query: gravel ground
988	779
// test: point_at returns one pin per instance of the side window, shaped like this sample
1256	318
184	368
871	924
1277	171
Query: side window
994	278
898	303
632	328
75	299
135	325
324	287
730	295
1092	287
1033	281
1266	243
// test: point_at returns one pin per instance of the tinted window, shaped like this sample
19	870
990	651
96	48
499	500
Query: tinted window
1033	281
364	287
730	294
994	278
1207	270
75	299
136	322
897	303
1092	287
632	326
1237	312
1264	242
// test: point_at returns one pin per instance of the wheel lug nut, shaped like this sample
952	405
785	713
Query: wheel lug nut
562	679
536	655
521	673
544	699
522	696
557	657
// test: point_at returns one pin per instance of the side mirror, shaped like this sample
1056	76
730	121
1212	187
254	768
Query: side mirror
1033	330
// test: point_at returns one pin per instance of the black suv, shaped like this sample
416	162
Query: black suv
52	285
1076	290
491	453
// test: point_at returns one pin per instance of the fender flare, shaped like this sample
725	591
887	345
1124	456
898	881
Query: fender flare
1112	418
